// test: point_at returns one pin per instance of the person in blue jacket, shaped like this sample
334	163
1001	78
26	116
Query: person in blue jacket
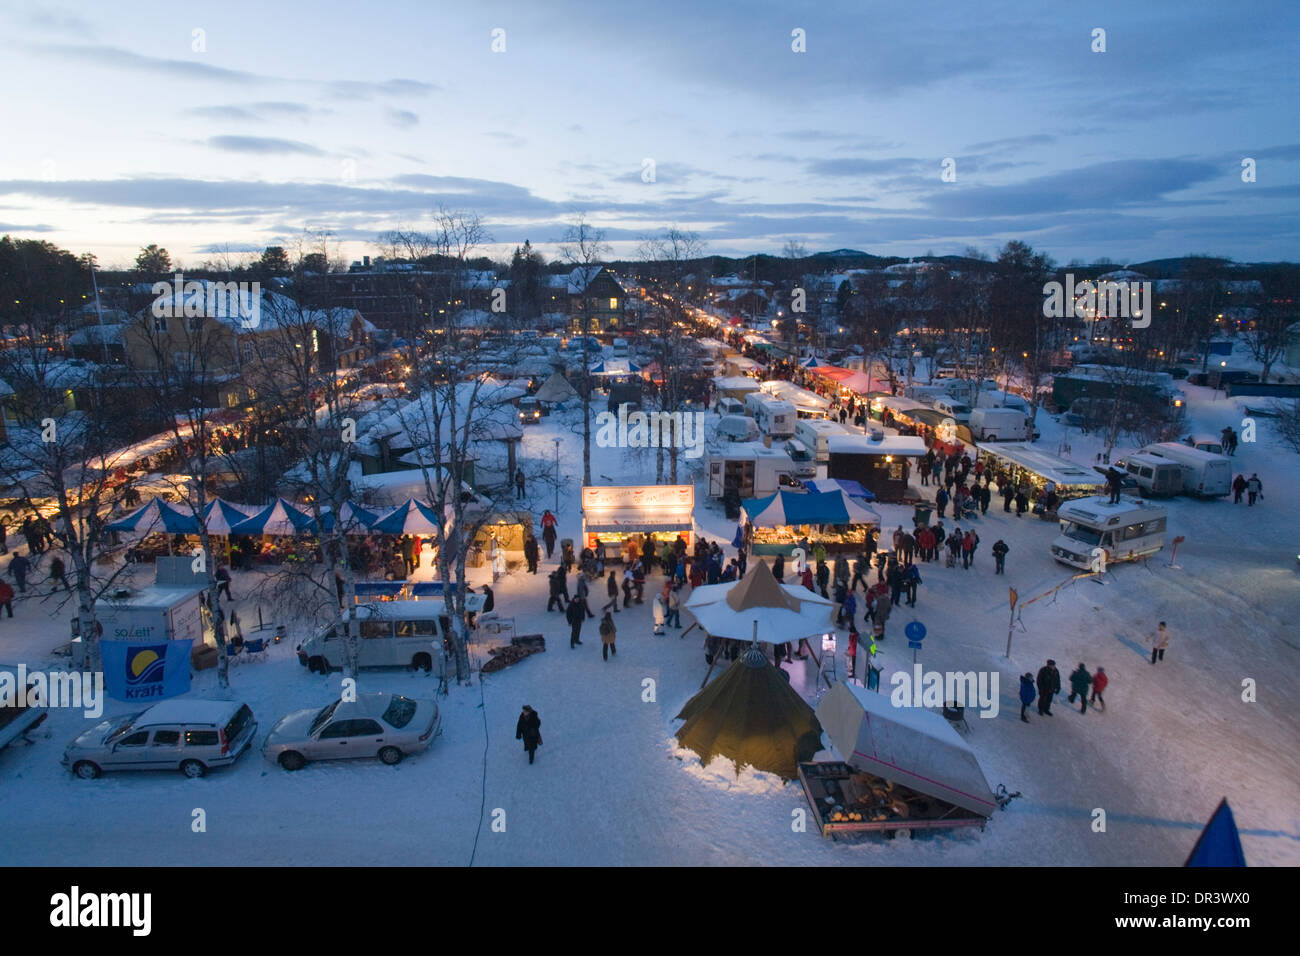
848	608
1027	694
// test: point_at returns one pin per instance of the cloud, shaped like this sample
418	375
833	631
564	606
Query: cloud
264	145
860	166
402	119
120	58
358	90
254	112
6	227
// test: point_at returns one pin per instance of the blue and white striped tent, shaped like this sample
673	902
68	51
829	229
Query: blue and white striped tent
281	517
851	488
157	515
413	517
356	519
220	516
796	508
615	367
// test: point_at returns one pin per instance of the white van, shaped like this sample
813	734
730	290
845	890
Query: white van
774	417
1158	477
925	393
805	465
729	406
393	634
1203	473
813	432
1095	533
999	424
957	410
998	399
1206	443
737	428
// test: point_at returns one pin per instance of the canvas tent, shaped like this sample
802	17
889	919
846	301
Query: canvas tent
1219	844
797	508
911	746
757	607
556	390
751	715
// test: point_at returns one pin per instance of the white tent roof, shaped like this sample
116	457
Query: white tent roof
908	745
783	612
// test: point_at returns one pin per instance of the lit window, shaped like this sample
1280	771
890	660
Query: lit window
613	304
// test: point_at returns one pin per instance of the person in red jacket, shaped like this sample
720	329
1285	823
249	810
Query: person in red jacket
7	597
806	579
967	549
1099	682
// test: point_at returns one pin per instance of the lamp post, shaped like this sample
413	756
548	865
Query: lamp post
557	476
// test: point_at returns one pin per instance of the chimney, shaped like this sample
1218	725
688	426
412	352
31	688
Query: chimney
877	435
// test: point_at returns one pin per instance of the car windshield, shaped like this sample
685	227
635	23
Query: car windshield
122	729
323	717
1086	535
400	711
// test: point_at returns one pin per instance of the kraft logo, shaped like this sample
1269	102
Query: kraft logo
144	670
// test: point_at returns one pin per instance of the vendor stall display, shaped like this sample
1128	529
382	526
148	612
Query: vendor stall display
878	461
617	515
1023	463
788	519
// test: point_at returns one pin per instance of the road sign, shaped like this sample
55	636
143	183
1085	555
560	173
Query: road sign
915	632
914	645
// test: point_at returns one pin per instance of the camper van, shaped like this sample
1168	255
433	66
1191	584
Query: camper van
813	432
393	634
737	428
1203	473
925	393
730	406
955	409
1125	531
1155	476
805	465
750	470
998	399
774	417
999	424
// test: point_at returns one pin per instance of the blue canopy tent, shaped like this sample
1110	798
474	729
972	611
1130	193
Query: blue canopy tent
850	487
356	519
413	517
157	515
796	508
278	518
220	516
1219	843
615	367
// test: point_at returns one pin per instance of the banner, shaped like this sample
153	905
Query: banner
146	672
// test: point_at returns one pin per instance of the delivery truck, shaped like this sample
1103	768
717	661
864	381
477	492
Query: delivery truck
999	424
149	614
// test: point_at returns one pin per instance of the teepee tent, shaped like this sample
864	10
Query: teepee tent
781	612
556	390
751	715
1219	844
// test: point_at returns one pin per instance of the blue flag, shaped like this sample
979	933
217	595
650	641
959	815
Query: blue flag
1218	844
739	540
146	672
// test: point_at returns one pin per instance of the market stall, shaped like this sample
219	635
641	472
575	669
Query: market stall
1022	462
786	519
878	461
621	514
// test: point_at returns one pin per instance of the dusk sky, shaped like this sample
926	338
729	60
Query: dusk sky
356	118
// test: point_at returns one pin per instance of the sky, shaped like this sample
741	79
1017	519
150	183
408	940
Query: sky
221	128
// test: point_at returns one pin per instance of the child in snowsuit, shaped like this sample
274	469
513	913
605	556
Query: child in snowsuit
1027	694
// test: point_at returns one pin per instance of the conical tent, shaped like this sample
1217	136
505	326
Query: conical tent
757	607
1219	844
751	715
413	517
555	390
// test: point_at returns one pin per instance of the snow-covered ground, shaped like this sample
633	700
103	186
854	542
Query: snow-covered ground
610	785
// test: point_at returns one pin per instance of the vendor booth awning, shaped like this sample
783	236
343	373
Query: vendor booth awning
757	607
278	518
411	517
615	367
355	518
850	487
795	508
1044	464
638	508
220	516
911	746
157	515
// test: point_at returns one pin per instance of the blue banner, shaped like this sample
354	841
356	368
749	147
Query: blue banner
146	672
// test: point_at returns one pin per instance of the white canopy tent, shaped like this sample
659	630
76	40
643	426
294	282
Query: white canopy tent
782	612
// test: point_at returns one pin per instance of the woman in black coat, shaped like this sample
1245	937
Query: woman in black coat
778	567
529	730
611	588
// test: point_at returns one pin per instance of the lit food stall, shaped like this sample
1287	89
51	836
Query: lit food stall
617	514
832	518
879	462
807	403
1025	462
509	528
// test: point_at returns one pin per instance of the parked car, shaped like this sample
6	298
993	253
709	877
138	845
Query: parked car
387	726
191	736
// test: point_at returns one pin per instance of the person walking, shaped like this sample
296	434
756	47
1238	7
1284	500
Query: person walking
556	591
549	526
529	730
19	567
1049	685
519	483
532	554
1080	681
1254	489
1099	682
58	574
1238	489
1159	643
6	597
1000	550
611	589
848	608
223	582
911	578
582	595
1027	693
823	577
968	543
575	616
778	568
674	604
607	635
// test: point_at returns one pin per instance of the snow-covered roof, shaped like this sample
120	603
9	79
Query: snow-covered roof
97	335
581	277
905	446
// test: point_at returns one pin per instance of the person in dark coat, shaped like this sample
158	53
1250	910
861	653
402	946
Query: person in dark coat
519	483
1026	694
985	497
941	501
6	598
1049	684
1000	550
19	567
778	568
823	577
1080	681
575	615
531	553
1238	489
608	634
59	574
611	588
529	730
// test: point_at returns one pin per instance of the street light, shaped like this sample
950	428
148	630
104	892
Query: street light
557	476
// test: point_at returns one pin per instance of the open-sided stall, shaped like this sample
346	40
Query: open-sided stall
617	514
832	519
1024	462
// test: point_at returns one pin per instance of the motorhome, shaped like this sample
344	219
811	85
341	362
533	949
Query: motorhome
805	465
925	393
774	417
813	432
998	399
730	406
1204	474
807	404
955	409
999	424
751	470
1155	476
1095	533
620	348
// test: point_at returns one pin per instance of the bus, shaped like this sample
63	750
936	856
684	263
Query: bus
1096	533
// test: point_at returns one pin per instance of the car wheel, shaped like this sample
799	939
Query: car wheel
317	665
390	756
422	662
193	768
86	770
292	760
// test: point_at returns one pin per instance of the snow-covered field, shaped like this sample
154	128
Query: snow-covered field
610	785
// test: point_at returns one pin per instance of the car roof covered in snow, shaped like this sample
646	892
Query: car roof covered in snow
183	711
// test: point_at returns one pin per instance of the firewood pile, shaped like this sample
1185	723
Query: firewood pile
517	650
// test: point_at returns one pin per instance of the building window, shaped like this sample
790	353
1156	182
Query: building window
613	304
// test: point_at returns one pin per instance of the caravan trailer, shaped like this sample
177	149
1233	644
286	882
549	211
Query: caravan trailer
1203	473
813	432
775	417
1093	529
